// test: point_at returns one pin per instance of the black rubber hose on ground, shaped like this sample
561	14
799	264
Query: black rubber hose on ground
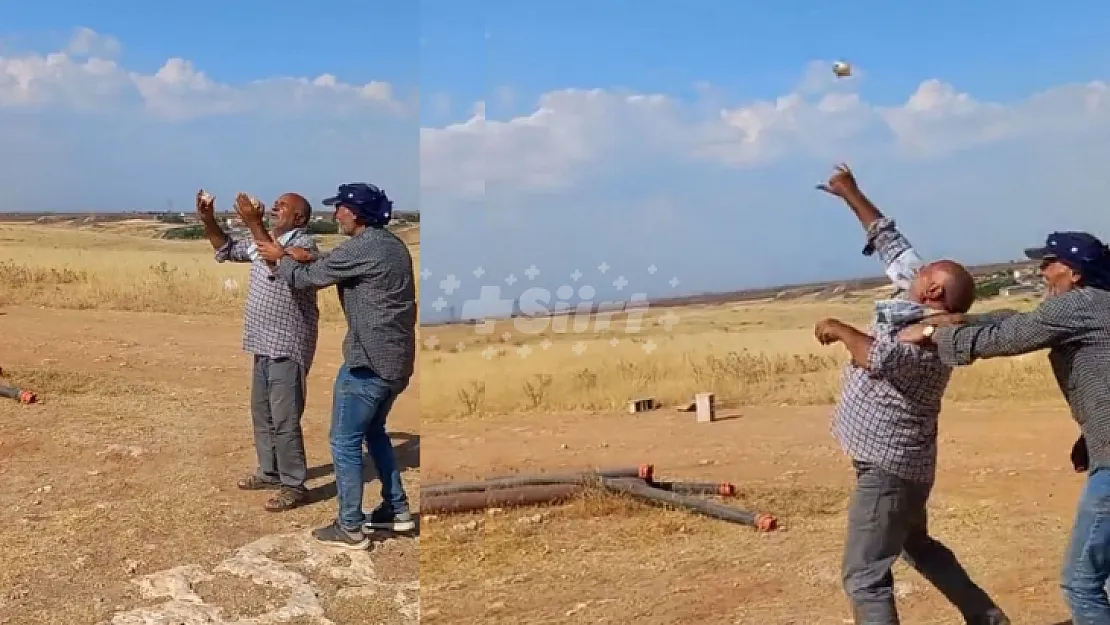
644	492
722	489
642	472
499	498
20	395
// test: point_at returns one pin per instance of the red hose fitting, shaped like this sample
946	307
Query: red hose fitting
724	489
27	397
647	471
766	522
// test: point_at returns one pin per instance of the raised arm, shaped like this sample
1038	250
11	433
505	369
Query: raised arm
900	261
879	356
227	248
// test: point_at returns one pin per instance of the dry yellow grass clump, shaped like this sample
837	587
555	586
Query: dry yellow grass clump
749	353
127	269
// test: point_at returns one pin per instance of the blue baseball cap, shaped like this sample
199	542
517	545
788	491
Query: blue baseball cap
1081	251
367	201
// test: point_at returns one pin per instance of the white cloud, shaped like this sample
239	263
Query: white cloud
600	174
80	116
572	132
87	42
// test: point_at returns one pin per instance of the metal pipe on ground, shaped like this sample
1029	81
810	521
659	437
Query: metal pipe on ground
643	472
722	489
644	492
499	498
18	394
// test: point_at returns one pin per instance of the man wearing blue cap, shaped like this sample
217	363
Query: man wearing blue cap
377	290
1073	322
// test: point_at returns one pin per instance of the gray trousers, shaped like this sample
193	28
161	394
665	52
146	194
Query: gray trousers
278	390
887	519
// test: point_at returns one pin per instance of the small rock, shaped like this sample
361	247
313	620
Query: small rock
469	526
132	566
535	519
429	518
494	511
496	606
79	563
577	608
564	446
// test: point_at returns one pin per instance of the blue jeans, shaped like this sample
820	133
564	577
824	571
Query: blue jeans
1088	560
360	405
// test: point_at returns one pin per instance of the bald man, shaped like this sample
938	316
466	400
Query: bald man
279	331
886	422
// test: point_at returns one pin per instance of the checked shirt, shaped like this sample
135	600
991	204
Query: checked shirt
280	321
887	414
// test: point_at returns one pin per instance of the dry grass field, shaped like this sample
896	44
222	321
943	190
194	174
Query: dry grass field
517	400
119	487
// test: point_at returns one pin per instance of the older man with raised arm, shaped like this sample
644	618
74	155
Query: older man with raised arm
374	275
279	330
886	422
1073	323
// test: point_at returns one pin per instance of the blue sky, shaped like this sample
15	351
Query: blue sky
685	136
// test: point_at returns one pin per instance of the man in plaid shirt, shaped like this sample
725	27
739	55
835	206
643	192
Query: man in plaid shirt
280	330
886	421
1073	324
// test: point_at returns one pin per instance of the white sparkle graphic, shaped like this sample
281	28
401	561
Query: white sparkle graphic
449	284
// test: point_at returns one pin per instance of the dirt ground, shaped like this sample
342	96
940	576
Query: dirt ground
1004	502
119	488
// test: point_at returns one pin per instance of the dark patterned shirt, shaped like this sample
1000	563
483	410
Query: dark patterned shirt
280	322
374	276
1075	327
887	413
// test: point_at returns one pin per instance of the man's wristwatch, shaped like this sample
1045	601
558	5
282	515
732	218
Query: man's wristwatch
928	331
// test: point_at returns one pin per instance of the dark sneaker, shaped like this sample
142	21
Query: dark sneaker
384	519
337	536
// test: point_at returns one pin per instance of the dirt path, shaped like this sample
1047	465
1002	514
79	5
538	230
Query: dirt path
120	485
1004	502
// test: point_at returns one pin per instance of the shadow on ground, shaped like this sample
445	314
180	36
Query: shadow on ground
408	457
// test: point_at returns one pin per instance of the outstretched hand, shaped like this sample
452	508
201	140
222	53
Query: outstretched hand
269	250
842	183
915	334
300	254
250	209
206	203
827	331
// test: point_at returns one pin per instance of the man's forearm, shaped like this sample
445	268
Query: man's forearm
213	232
857	343
865	210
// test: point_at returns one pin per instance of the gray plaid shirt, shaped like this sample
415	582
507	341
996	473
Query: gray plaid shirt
1075	327
280	322
887	414
374	276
